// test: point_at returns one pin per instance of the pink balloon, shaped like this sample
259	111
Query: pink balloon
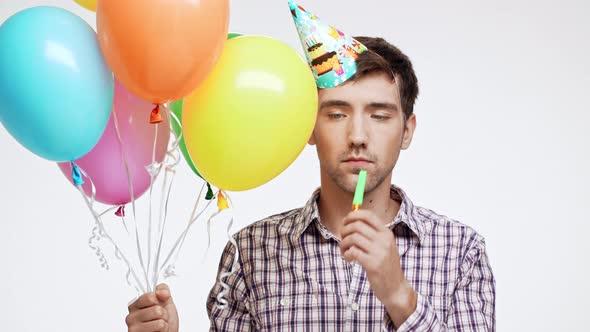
104	163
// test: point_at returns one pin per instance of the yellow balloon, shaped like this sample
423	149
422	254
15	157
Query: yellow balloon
252	116
88	4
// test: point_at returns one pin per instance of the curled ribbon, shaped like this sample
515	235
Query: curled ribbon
224	202
93	244
222	302
99	232
221	205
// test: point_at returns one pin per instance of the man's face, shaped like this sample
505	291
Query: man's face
360	125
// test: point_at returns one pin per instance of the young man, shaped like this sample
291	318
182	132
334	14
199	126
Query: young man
388	266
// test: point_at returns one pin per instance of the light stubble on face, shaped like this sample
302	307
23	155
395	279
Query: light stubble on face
382	164
377	174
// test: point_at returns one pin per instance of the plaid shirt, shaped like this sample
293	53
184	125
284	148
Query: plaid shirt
291	276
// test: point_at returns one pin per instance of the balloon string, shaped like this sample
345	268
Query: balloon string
174	155
120	213
164	197
222	302
124	224
119	256
163	200
168	270
107	211
172	257
123	157
174	252
209	233
95	237
173	117
163	207
93	244
131	193
222	204
179	137
153	168
223	200
100	227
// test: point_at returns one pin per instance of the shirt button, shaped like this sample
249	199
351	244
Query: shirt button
285	301
354	306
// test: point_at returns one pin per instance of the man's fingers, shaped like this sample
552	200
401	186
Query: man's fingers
153	326
356	254
366	260
144	301
365	215
358	226
149	314
355	240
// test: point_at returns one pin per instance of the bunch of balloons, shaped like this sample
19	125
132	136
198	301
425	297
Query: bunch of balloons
245	105
104	105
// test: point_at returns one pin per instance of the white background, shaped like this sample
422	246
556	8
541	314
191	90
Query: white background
502	145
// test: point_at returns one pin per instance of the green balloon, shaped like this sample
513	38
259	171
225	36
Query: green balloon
176	108
232	35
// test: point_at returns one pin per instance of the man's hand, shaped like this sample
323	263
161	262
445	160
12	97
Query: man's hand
153	312
367	240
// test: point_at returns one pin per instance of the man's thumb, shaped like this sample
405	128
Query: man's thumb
163	292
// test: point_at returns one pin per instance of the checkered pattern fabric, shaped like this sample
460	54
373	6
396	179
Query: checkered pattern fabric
291	276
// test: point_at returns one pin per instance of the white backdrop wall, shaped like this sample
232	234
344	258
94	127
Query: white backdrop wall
502	144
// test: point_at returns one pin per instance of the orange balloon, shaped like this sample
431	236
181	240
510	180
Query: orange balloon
162	49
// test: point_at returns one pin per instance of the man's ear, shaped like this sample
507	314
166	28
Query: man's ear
409	132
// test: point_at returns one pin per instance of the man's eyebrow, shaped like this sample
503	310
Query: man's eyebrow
387	106
332	103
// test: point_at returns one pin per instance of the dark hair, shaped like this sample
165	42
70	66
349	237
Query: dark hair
384	57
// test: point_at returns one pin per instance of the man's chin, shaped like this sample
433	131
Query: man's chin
356	171
346	182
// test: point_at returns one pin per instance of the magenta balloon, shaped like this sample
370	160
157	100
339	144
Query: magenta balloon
104	163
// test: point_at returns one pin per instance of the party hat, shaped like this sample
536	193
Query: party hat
331	54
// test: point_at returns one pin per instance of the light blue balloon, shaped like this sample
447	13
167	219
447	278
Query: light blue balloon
56	90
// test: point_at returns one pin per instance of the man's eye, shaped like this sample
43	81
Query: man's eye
380	117
336	116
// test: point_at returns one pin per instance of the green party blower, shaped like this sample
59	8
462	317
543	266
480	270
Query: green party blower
360	190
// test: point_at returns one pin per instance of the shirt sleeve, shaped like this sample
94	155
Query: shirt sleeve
473	305
235	316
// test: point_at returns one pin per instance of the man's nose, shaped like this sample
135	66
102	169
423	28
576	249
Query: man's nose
358	134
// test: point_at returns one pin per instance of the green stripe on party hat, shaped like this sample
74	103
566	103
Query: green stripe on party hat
331	54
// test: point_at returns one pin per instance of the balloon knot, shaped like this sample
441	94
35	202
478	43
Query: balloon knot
76	175
156	116
120	211
210	194
221	201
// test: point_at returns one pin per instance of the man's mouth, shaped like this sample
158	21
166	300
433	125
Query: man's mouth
357	161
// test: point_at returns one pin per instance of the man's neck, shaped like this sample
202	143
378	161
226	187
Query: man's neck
334	204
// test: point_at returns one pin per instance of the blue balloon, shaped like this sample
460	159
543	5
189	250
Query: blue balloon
56	90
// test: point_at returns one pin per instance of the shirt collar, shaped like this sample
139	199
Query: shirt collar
407	214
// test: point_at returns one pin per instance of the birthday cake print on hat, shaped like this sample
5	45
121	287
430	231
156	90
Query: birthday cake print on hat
330	53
